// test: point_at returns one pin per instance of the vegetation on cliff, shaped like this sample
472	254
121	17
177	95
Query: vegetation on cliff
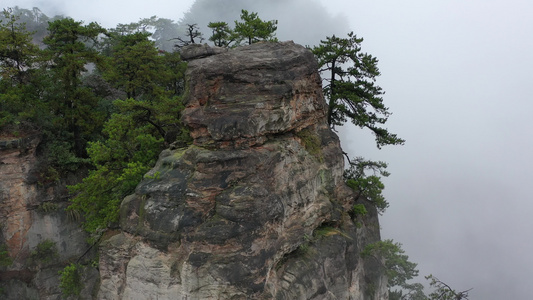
251	29
108	101
350	87
105	100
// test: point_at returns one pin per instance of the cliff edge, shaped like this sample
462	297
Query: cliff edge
257	207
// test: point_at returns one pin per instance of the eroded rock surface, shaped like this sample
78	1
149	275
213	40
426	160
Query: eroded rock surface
241	97
32	212
257	207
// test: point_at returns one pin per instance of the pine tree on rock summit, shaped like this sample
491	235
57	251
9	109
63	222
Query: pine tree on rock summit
351	88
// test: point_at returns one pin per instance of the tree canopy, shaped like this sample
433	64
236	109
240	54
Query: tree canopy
105	101
252	29
142	124
350	87
68	53
222	35
367	186
18	86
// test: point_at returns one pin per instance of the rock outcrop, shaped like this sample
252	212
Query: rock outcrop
32	214
257	207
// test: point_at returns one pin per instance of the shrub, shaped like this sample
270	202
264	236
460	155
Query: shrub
311	143
367	186
70	280
5	259
44	253
47	207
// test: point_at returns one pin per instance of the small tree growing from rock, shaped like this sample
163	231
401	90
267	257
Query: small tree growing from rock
192	36
444	292
350	87
252	29
222	35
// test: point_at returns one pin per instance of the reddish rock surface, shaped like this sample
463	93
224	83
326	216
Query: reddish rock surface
24	223
238	98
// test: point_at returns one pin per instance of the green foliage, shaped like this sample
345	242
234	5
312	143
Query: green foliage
5	259
61	156
47	207
156	176
73	105
311	143
140	127
17	52
325	231
18	88
134	139
252	29
400	270
163	31
70	280
359	210
35	21
173	79
367	186
222	35
395	263
443	291
351	88
414	291
44	253
304	247
42	90
135	66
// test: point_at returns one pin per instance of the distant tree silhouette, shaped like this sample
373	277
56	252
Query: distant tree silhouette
192	35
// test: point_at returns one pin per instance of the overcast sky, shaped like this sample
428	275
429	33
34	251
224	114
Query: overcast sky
457	76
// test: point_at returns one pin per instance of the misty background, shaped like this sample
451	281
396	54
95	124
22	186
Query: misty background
457	80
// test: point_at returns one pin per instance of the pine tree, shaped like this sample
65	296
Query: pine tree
19	85
69	51
222	35
252	29
351	87
135	66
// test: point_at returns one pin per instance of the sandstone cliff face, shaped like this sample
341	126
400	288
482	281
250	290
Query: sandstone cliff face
256	208
32	212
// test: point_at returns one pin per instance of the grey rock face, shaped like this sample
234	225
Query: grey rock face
32	213
195	51
239	98
257	207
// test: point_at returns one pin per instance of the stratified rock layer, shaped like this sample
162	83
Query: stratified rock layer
256	208
241	97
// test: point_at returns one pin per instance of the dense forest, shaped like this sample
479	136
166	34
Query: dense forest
106	102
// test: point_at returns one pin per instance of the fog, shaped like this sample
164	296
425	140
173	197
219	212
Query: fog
302	21
457	80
